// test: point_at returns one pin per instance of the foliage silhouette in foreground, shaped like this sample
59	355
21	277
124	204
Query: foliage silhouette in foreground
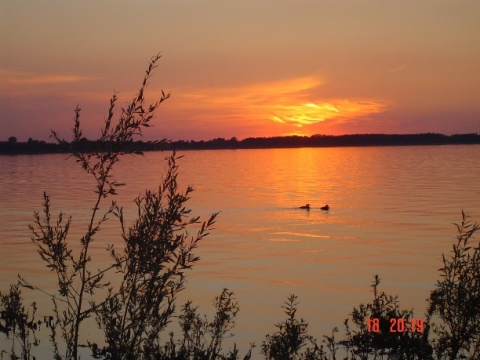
362	342
202	338
449	330
291	340
19	323
157	251
454	304
157	248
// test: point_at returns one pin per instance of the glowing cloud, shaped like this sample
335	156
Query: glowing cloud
287	103
340	109
15	83
18	77
303	114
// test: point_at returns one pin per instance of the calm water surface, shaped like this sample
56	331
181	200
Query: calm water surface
392	210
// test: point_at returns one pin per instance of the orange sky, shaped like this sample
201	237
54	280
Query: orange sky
245	68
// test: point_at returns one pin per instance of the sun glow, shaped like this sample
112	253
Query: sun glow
303	114
311	113
272	108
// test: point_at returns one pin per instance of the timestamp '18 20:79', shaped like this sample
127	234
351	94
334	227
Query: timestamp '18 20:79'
397	325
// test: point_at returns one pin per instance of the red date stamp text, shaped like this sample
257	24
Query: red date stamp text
397	325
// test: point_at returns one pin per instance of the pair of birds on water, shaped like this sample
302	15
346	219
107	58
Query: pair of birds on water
307	207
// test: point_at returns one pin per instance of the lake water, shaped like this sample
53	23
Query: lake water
392	210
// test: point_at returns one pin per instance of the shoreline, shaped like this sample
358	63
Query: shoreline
357	140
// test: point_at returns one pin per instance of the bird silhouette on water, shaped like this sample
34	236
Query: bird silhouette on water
307	207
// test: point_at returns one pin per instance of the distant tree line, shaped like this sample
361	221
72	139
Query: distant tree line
12	146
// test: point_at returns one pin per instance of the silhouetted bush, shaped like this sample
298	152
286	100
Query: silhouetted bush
291	340
19	324
157	248
455	303
382	330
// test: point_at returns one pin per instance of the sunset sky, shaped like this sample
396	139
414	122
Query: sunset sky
243	68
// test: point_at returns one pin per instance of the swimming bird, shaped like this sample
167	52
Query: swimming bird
326	207
306	207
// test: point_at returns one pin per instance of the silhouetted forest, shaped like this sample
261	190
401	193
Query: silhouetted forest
12	146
